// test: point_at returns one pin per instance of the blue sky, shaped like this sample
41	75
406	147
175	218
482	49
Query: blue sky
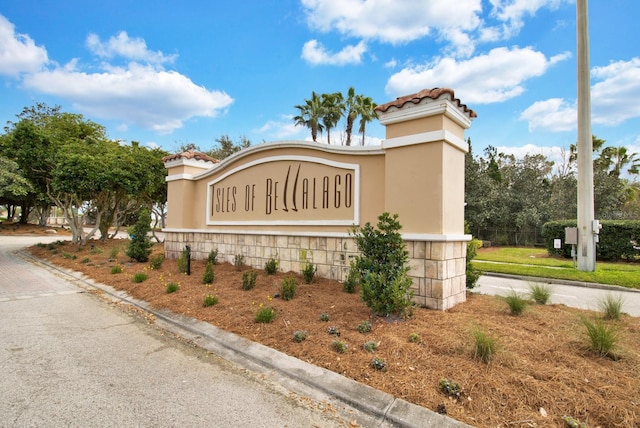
168	73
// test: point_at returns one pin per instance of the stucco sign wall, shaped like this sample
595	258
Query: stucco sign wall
286	190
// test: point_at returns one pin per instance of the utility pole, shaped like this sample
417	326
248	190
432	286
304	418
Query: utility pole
587	227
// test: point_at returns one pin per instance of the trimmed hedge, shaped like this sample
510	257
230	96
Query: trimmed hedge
617	239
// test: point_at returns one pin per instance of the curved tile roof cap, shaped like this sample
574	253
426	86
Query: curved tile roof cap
190	154
434	94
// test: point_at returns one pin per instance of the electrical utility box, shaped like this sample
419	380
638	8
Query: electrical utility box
571	235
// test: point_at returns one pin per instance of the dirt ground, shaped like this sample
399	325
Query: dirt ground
542	371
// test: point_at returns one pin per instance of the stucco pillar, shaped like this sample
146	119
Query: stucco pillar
424	161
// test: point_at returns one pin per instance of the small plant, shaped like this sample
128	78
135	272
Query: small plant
113	254
271	266
450	388
324	316
209	275
213	256
611	307
414	338
116	269
140	277
349	285
249	279
485	345
364	327
540	293
155	262
299	336
238	261
183	261
69	256
308	272
140	244
573	422
516	302
378	364
265	315
333	330
288	288
85	260
96	250
602	338
339	346
209	300
370	346
172	287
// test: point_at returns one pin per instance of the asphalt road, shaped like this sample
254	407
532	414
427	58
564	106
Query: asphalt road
69	358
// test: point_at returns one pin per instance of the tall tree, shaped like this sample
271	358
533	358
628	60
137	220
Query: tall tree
333	107
310	115
351	112
226	147
366	108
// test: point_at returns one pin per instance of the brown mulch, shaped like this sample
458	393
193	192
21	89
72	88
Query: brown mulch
542	371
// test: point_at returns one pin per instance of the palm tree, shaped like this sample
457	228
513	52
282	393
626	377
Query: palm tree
367	113
333	105
618	158
351	109
311	113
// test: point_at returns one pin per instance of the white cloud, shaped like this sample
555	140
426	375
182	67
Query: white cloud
138	94
18	52
610	106
134	49
280	129
512	13
494	77
314	53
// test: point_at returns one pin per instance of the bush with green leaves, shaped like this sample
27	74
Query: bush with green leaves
156	262
183	261
472	274
450	388
485	345
249	279
414	338
271	266
349	285
611	306
379	364
172	287
324	316
340	346
238	261
540	293
140	277
116	269
383	266
603	338
288	288
213	256
516	301
209	275
209	300
364	327
308	272
370	346
299	336
265	315
140	245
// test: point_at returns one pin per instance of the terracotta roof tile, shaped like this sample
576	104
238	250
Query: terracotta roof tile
434	94
190	154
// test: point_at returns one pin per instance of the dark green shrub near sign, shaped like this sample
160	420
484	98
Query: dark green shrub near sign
140	245
618	239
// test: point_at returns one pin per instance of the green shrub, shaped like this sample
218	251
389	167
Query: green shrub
156	262
265	315
209	275
333	330
364	327
140	277
113	253
602	337
299	336
213	256
140	245
573	422
540	293
183	261
379	364
370	346
339	346
472	274
516	302
238	261
85	260
414	338
611	307
209	300
349	285
308	272
271	266
324	317
116	269
288	288
382	267
172	287
450	388
96	250
485	345
249	279
69	256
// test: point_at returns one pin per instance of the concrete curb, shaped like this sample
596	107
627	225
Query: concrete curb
562	281
379	408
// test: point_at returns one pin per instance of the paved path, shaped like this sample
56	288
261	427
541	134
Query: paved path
584	297
67	358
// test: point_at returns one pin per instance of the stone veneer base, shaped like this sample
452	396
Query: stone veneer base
437	268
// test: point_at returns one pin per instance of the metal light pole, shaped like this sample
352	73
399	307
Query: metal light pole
587	227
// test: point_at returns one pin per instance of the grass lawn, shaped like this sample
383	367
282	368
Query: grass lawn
536	262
